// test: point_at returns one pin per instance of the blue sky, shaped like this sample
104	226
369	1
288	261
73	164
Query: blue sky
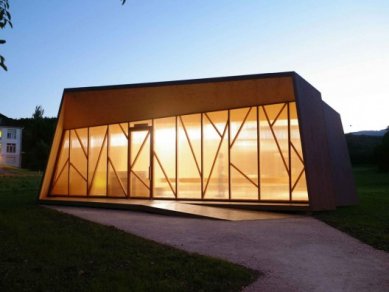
340	47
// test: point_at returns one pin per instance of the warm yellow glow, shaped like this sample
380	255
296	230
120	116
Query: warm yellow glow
164	174
225	171
140	163
118	157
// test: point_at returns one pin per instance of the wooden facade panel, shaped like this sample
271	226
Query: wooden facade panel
55	146
315	146
94	107
340	160
327	167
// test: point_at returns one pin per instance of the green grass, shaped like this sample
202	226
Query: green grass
43	250
369	220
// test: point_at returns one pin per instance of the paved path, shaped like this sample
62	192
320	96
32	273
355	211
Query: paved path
295	254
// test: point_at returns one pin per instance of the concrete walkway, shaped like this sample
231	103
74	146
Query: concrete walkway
295	253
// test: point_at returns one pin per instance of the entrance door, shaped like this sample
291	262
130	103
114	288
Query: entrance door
139	184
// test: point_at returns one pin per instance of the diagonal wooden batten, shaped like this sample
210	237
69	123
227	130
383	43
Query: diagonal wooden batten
289	154
79	172
164	173
258	154
124	132
214	160
141	180
117	176
60	173
82	145
242	173
62	152
229	152
297	153
278	115
202	154
216	129
298	178
275	139
140	149
98	160
241	127
176	155
190	145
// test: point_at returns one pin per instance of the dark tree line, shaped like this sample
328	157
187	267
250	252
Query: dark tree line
382	153
365	149
361	148
38	133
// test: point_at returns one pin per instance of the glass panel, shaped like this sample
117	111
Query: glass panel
219	119
61	183
97	177
77	185
215	156
117	167
189	179
297	166
60	180
140	163
280	128
300	191
78	162
274	180
273	110
165	149
241	187
244	154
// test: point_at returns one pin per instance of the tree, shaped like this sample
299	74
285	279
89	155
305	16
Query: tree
382	153
5	19
38	132
38	113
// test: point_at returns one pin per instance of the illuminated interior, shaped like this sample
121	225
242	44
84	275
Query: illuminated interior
248	154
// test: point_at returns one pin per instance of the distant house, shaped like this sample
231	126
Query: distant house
10	142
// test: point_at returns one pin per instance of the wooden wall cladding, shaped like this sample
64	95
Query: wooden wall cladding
100	106
55	145
341	170
327	165
316	151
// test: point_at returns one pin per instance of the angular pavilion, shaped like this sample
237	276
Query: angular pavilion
265	139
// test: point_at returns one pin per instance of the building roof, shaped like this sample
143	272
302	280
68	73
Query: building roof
8	122
185	81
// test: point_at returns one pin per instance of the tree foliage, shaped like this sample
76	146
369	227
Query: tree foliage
382	153
38	132
38	113
5	19
361	148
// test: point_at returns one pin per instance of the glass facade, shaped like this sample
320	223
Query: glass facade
249	154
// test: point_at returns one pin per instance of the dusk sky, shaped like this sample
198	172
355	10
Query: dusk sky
340	47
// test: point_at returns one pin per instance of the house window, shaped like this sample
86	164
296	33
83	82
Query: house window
11	148
1	134
11	134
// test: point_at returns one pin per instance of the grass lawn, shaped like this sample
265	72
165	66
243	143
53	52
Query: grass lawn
43	250
369	220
